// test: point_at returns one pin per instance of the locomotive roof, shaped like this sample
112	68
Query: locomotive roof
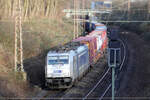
101	27
95	32
67	47
87	38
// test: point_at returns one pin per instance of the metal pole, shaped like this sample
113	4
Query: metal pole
77	8
129	7
148	13
83	17
113	83
18	40
21	44
113	76
74	19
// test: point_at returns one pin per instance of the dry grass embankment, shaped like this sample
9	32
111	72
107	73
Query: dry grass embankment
43	28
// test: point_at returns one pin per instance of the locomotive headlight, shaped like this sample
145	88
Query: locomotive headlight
66	73
67	79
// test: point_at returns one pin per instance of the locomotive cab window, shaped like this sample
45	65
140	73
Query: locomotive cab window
83	59
58	60
64	59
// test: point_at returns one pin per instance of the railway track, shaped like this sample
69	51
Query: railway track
97	91
81	88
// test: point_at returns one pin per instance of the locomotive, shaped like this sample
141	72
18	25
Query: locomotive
67	64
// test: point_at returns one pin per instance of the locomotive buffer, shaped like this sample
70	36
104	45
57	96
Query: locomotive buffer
113	60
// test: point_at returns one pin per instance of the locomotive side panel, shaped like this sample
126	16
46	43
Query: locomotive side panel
83	61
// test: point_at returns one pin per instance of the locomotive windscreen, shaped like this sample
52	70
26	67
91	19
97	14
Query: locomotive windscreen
58	60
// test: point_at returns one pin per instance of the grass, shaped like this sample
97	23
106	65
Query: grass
45	35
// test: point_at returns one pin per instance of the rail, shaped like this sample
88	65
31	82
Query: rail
123	61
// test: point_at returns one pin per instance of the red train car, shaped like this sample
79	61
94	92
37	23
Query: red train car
96	42
92	45
98	45
102	28
103	37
